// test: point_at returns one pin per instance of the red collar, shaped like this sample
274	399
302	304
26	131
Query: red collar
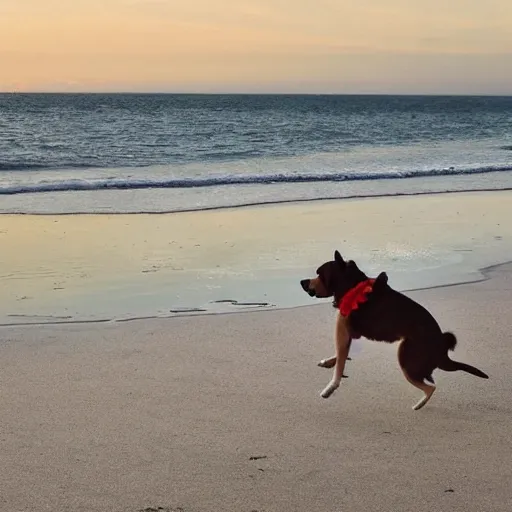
355	296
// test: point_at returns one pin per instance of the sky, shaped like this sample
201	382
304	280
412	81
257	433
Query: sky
292	46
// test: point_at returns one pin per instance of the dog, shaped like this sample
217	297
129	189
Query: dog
384	314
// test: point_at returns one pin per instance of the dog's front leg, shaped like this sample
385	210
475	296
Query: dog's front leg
342	342
330	362
327	363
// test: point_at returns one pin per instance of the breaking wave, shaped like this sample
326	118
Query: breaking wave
234	179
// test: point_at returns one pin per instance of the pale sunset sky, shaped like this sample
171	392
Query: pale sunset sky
317	46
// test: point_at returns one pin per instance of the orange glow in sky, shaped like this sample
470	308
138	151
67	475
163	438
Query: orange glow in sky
332	46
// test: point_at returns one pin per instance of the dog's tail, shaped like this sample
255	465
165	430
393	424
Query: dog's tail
450	341
452	366
448	365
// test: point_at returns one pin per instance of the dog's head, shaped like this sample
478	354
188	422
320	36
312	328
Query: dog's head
334	279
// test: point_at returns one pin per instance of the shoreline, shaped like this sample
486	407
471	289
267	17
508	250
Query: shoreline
487	275
255	205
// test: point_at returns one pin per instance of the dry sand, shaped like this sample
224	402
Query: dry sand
222	413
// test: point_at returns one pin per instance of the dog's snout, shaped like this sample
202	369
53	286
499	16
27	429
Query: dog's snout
305	284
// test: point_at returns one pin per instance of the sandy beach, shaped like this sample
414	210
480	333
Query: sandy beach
171	172
222	412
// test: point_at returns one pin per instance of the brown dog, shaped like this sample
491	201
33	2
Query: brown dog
385	315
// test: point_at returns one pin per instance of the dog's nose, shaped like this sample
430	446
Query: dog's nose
305	285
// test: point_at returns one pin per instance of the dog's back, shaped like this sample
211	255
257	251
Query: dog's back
389	316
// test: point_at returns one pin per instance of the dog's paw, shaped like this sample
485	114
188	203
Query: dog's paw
330	389
424	400
327	363
330	362
420	404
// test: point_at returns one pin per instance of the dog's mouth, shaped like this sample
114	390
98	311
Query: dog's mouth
315	288
305	283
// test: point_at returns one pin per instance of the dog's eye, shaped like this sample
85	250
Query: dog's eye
324	280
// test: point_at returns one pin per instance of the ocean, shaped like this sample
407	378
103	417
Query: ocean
130	153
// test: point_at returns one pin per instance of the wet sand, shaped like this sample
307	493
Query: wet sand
102	267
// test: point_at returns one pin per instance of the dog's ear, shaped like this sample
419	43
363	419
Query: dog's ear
382	278
381	281
338	259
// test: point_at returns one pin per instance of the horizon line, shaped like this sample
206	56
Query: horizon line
247	93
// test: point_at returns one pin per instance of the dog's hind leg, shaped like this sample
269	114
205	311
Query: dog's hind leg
428	389
414	373
342	340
